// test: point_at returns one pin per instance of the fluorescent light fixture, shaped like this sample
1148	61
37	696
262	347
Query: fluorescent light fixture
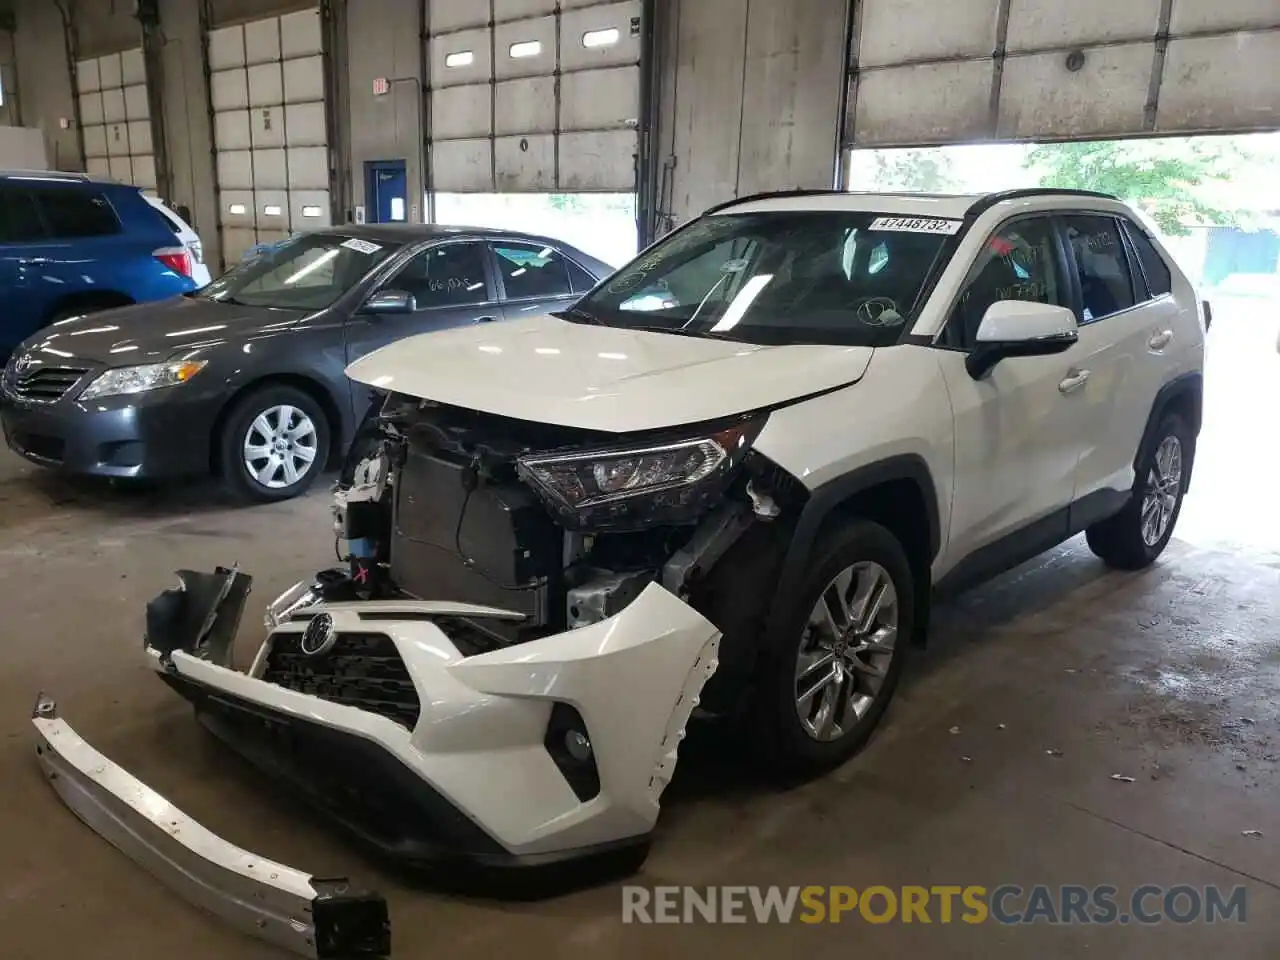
544	253
742	302
525	48
310	210
463	58
520	272
474	287
272	210
600	38
238	209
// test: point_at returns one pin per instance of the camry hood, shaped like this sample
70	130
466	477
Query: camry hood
602	378
147	332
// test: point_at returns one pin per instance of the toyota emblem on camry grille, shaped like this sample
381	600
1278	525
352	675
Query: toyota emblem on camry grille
23	364
319	637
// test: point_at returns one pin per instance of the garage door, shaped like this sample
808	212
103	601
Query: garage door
116	118
1087	69
547	100
267	87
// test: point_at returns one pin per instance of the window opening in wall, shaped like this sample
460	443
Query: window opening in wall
463	58
311	211
237	209
600	38
526	48
271	210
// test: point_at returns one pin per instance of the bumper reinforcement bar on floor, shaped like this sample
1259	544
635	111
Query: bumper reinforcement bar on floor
313	917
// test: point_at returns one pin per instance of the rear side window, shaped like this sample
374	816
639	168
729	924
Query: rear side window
531	272
1159	280
72	213
1100	260
582	281
19	219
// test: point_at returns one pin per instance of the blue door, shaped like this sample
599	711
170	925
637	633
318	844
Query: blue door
386	191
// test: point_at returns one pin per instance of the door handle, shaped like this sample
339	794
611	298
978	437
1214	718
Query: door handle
1160	339
485	319
1074	381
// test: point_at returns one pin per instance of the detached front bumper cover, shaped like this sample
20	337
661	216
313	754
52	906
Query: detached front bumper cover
310	916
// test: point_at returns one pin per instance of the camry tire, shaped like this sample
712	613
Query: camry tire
273	445
1138	534
832	666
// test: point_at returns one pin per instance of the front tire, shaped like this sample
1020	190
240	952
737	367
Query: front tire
1138	534
273	445
832	666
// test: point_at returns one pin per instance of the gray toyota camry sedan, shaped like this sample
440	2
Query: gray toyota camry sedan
244	378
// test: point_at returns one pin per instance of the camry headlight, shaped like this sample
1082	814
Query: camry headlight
664	481
152	376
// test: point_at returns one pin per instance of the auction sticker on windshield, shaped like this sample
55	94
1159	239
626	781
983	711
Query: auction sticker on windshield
916	225
361	246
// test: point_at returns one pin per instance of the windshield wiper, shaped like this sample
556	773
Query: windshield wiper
578	315
681	332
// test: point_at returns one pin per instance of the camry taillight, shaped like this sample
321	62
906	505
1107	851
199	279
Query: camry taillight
177	259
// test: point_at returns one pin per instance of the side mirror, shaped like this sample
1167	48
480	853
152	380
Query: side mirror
391	301
1020	328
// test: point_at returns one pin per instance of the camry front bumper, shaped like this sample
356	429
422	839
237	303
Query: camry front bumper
517	770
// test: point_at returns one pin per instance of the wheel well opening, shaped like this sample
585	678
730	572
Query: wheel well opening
1186	404
308	386
899	505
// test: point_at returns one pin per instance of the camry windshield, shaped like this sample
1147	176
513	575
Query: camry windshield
830	277
308	272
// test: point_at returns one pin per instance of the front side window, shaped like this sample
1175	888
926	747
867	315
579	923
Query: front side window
786	277
74	214
308	272
531	272
1099	257
1018	262
451	275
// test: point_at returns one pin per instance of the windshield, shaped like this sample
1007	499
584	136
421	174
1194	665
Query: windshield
308	272
828	277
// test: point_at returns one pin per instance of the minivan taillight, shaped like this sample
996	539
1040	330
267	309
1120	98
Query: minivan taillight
177	259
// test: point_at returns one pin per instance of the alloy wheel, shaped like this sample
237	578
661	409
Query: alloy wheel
280	446
1160	497
846	650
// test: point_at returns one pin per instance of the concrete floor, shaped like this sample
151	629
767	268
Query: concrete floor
1167	676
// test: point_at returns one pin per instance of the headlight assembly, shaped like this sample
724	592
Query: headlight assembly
635	485
152	376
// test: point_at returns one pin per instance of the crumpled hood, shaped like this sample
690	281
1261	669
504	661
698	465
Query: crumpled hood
602	378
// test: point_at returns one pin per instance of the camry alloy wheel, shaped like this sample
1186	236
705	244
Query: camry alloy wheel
846	650
1164	483
280	447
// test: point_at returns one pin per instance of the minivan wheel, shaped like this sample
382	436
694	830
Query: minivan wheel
274	444
832	667
1138	534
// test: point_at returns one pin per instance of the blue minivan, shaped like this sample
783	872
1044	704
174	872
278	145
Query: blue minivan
72	244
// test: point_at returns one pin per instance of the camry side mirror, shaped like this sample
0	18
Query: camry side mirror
1020	328
391	301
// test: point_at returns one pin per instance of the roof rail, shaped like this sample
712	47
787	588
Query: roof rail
771	194
991	199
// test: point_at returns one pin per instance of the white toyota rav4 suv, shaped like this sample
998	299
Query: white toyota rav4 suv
732	477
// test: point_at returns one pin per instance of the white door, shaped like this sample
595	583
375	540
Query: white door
267	87
1122	352
1018	431
116	118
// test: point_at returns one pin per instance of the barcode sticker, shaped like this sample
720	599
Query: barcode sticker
916	225
361	246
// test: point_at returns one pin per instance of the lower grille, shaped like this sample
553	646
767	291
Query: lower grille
46	384
362	670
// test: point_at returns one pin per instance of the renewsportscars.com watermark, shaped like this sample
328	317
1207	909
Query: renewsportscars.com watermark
1006	904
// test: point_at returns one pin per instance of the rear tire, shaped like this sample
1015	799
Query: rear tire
273	445
837	632
1138	534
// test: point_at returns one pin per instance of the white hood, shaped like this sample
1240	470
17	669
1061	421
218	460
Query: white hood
602	378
